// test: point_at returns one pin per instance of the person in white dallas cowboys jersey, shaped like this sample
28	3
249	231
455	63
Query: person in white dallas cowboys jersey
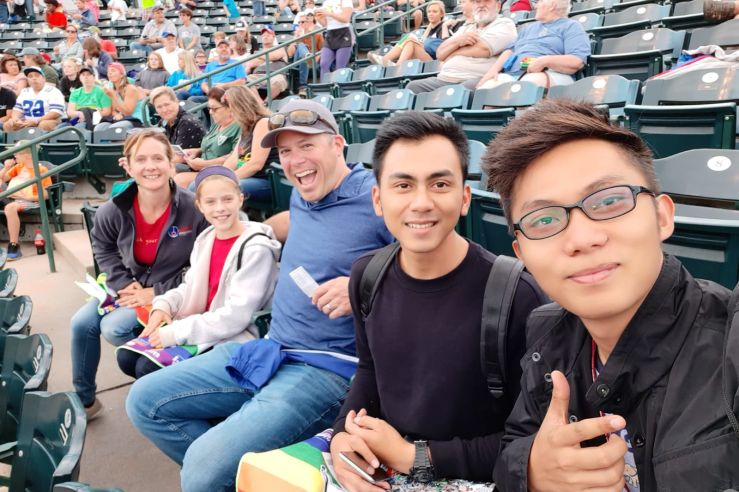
38	105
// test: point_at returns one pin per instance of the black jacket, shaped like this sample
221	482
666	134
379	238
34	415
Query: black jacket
663	377
113	234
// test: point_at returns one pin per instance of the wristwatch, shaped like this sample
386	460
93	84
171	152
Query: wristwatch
422	470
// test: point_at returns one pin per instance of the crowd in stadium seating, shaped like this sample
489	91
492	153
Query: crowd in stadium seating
618	386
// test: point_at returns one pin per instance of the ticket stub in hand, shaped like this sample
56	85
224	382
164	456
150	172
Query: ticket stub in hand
304	281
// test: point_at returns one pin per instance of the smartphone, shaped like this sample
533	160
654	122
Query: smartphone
357	462
179	150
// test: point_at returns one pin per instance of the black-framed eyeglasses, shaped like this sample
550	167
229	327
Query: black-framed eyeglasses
604	204
301	117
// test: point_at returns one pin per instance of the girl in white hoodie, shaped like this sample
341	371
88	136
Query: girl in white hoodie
232	275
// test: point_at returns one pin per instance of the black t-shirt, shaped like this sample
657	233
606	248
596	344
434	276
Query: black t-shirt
66	86
419	362
186	131
7	101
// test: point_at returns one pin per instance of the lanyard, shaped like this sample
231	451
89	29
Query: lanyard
594	373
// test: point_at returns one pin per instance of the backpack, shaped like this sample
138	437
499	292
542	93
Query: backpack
496	308
732	322
243	245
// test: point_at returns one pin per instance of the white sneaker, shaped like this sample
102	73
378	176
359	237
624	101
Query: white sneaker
375	59
94	410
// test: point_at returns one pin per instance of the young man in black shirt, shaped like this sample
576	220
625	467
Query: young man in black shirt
419	402
630	387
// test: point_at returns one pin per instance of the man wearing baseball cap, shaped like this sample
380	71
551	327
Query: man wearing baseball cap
278	59
170	52
38	105
152	36
269	393
86	101
228	78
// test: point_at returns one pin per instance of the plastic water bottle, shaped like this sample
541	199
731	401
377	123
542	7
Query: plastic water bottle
40	243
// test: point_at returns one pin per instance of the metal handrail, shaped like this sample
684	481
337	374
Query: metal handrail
404	14
38	177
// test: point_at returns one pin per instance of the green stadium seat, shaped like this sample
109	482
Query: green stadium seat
356	101
367	41
8	280
396	77
281	188
102	156
591	6
15	313
688	110
725	35
366	123
361	80
686	16
589	20
25	367
88	218
63	148
486	224
610	92
51	435
81	487
328	83
630	19
276	104
637	55
703	182
443	99
477	150
492	109
324	100
361	152
24	134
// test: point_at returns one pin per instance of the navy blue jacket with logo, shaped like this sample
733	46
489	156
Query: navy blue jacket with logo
113	234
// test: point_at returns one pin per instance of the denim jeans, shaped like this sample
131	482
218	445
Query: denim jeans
301	51
176	408
258	8
256	189
117	327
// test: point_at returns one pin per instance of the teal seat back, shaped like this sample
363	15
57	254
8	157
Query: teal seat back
725	35
276	104
516	94
324	100
361	152
486	224
8	282
15	313
445	98
26	367
50	441
281	188
611	91
477	150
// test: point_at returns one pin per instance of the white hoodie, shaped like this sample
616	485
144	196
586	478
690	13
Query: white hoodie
240	292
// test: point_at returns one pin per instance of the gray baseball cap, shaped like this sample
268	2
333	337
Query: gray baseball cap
324	124
29	50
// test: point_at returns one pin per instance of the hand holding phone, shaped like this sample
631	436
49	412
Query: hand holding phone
358	464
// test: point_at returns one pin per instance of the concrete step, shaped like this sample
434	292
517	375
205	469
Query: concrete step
74	247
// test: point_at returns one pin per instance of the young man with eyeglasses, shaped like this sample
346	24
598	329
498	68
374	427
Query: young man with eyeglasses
622	388
206	412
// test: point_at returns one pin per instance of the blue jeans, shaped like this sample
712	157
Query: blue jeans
87	325
301	51
176	408
256	189
4	14
258	8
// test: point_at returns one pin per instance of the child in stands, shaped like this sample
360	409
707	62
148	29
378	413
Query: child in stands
233	273
17	170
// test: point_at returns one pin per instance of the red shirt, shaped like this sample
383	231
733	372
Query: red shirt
221	247
109	46
56	20
146	236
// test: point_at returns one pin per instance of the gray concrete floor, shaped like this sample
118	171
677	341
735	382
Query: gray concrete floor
115	454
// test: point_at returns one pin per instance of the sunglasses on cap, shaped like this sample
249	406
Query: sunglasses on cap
300	117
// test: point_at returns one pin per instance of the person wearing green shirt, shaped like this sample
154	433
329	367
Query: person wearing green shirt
86	100
217	144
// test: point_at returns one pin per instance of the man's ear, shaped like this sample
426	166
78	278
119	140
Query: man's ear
517	249
466	199
665	216
376	200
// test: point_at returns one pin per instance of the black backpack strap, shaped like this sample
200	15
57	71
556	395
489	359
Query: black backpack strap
496	308
732	322
243	245
372	275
